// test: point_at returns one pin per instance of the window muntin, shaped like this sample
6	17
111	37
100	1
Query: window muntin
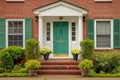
48	31
73	31
103	34
15	33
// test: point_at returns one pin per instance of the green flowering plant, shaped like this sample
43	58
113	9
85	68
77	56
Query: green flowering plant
32	64
75	51
85	64
46	50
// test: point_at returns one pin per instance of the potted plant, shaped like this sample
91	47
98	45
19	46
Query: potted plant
85	65
31	66
45	51
75	52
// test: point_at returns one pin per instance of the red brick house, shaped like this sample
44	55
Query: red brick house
60	24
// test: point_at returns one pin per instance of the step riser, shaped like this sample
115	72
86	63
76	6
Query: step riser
59	67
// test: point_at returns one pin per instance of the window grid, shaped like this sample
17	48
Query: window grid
15	33
73	31
48	31
103	34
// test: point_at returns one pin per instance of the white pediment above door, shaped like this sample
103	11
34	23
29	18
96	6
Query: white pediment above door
60	8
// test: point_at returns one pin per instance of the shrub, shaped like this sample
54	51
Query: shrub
13	75
19	69
7	61
85	64
87	47
32	64
32	49
92	73
107	61
14	51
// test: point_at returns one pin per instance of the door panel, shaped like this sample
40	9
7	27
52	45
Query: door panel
60	38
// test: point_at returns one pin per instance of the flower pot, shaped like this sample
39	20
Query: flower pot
32	72
75	57
84	72
46	56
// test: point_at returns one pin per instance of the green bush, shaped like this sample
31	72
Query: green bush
19	69
107	61
13	74
14	51
32	49
32	64
87	47
92	73
85	64
7	61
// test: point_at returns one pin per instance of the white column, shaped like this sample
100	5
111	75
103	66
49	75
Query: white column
80	29
80	32
41	31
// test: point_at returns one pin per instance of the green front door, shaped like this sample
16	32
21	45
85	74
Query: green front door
60	38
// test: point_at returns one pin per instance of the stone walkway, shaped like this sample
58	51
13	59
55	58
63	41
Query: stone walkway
56	78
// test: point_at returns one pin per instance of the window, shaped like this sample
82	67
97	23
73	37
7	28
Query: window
73	31
15	32
48	31
103	34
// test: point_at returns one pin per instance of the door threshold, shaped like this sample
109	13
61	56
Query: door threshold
61	55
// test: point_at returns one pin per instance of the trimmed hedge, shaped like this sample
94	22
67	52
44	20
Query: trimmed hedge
13	74
32	49
87	47
92	73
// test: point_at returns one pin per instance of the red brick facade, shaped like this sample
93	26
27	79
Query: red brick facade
24	10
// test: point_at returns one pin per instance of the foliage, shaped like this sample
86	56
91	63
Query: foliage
92	73
13	74
87	47
45	50
32	64
32	50
14	51
75	51
107	61
19	69
85	64
7	61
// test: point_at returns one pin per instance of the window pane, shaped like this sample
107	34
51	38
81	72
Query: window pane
73	28
103	27
15	36
73	38
103	34
103	41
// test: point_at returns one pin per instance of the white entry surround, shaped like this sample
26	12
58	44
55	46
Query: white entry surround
51	13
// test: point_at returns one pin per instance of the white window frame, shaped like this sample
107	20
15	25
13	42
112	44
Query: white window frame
95	39
7	20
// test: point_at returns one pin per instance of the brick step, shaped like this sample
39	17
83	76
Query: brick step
59	72
59	62
59	67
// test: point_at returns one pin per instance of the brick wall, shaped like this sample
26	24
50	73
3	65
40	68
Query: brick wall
24	10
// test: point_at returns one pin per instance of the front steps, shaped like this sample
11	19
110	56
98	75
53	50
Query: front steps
59	67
